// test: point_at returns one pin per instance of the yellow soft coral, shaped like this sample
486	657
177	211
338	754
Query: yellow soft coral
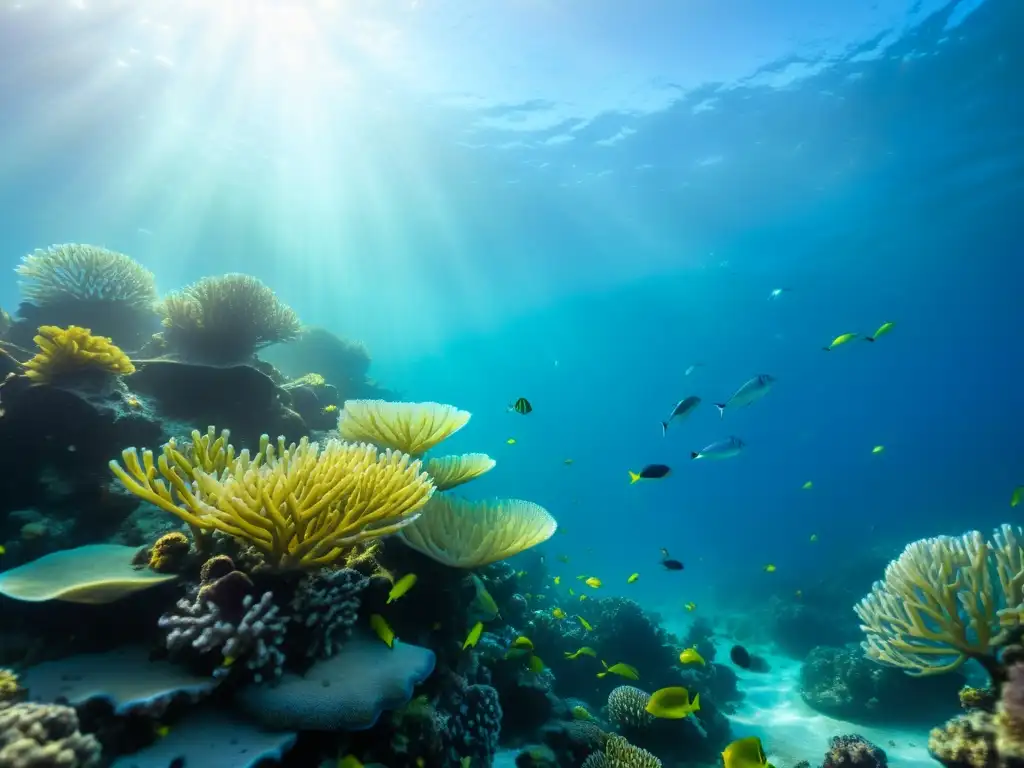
9	687
71	350
945	600
301	505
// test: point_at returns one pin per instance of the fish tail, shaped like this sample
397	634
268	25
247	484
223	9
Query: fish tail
633	477
721	409
694	454
664	428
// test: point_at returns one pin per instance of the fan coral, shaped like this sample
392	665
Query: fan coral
327	605
64	352
450	471
412	428
85	273
465	534
202	625
299	506
939	606
44	735
627	707
226	319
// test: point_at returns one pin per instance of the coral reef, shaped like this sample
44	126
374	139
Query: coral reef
41	735
225	319
627	708
328	604
853	751
72	353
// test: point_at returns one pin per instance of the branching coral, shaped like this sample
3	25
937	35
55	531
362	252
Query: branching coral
65	352
326	606
85	273
946	600
226	319
41	735
412	428
300	506
466	534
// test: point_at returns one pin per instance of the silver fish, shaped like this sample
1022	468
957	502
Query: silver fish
749	393
683	409
723	449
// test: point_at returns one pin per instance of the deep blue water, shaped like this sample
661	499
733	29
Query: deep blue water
574	202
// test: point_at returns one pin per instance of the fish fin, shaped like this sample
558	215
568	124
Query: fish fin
633	477
694	454
664	428
721	410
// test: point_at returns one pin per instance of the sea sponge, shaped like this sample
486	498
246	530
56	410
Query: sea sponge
64	352
467	534
627	707
450	471
169	552
939	605
226	319
300	506
85	273
412	428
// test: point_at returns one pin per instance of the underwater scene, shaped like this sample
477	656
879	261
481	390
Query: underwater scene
518	384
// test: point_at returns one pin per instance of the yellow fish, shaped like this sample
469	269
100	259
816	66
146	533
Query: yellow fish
814	537
745	753
474	635
227	661
672	703
3	549
558	613
523	642
808	485
1015	498
770	568
349	761
567	462
838	341
382	629
520	574
572	592
582	598
593	582
585	624
691	656
584	651
401	586
691	607
581	578
535	665
163	730
465	761
581	713
511	441
878	449
621	669
330	408
633	578
883	329
557	580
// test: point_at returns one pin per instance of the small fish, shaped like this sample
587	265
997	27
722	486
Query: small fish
585	624
572	592
586	650
557	580
807	486
382	629
567	462
3	549
691	607
132	402
563	559
521	406
349	761
670	563
474	636
227	661
776	292
691	656
523	642
511	441
770	568
650	472
535	665
402	586
798	594
1015	498
722	449
883	329
582	598
420	762
745	753
520	574
465	762
682	409
740	656
581	713
330	408
750	392
621	669
692	368
632	578
593	582
838	341
162	730
558	613
672	703
582	577
814	537
878	449
177	762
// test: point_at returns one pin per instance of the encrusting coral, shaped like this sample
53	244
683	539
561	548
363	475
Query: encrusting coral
226	319
65	352
939	605
467	534
300	506
85	273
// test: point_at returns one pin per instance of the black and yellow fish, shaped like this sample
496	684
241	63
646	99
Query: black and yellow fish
521	406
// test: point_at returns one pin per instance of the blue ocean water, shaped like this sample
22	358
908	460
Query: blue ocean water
575	203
